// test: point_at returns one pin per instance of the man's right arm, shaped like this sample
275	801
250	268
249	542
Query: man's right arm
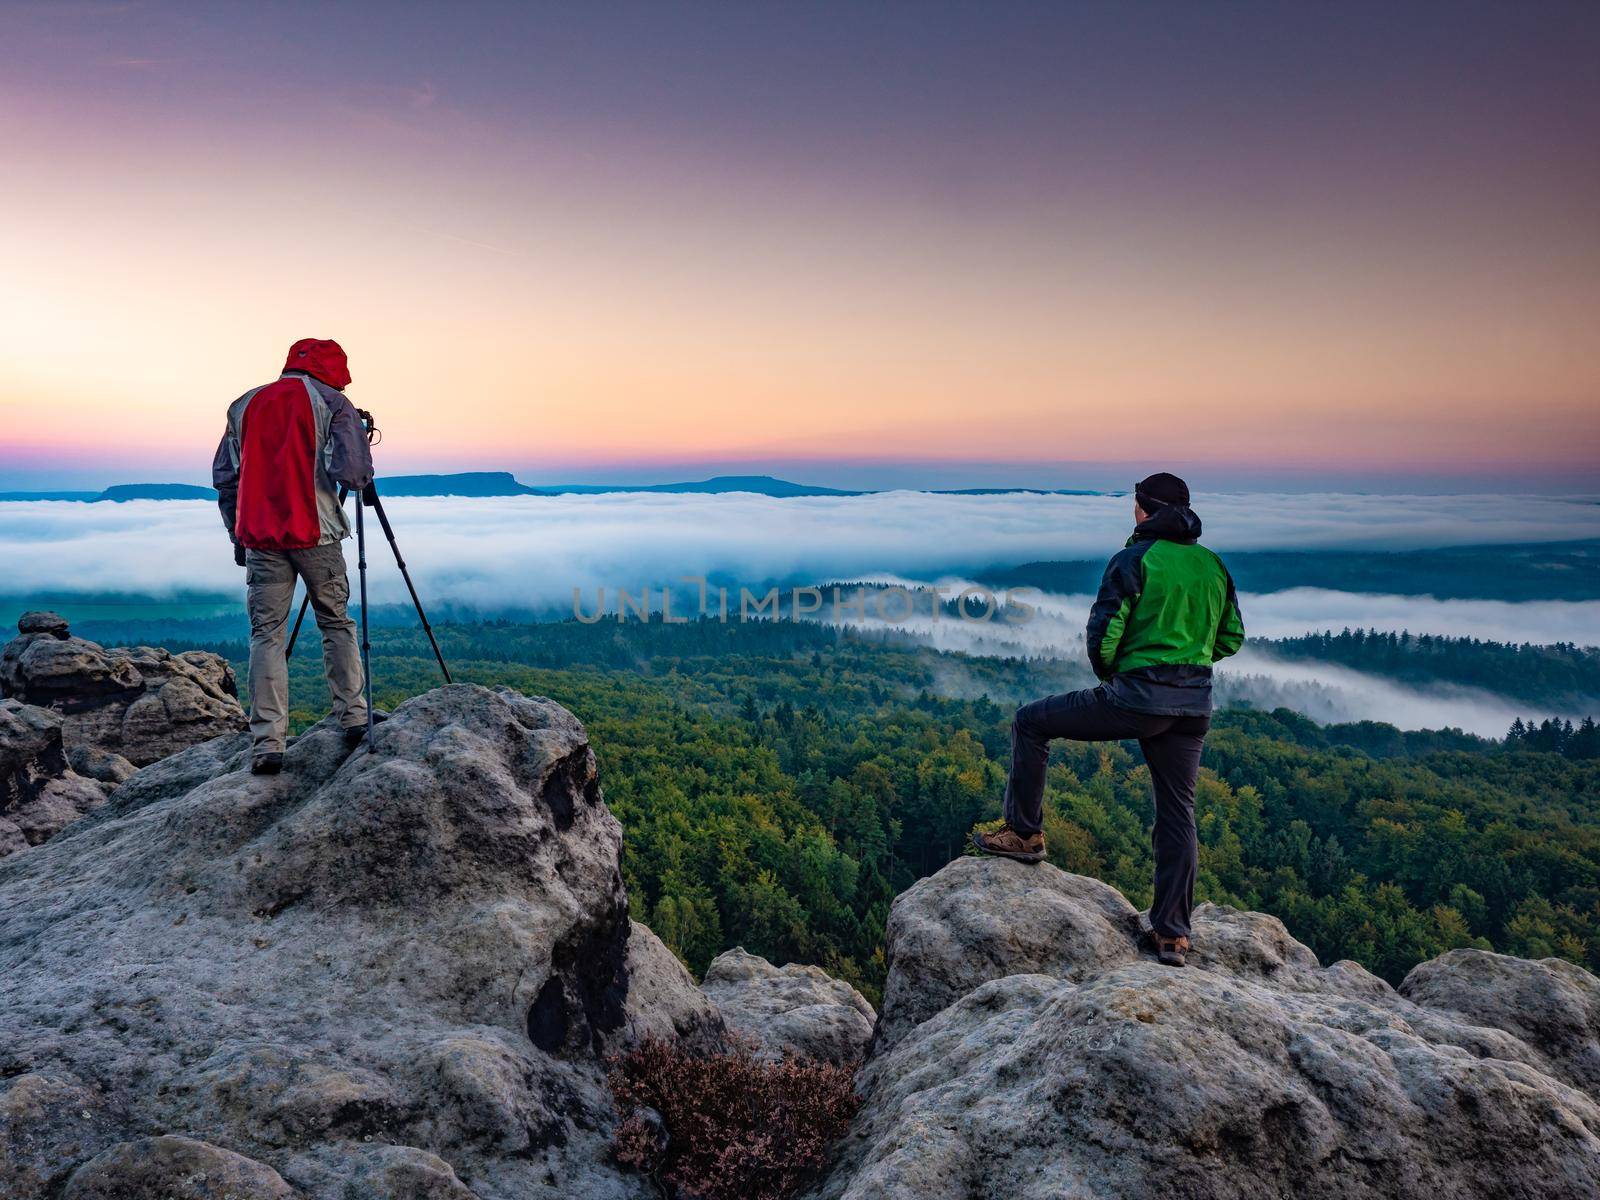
225	477
1119	591
349	453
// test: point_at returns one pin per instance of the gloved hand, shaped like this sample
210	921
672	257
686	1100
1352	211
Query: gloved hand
369	495
238	554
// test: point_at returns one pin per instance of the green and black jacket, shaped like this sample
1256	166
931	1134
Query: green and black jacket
1166	611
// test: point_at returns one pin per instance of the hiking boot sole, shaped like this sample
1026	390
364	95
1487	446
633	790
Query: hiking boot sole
1019	856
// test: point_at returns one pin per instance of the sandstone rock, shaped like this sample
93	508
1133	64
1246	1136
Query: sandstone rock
1551	1006
374	975
390	1172
46	1125
141	702
1093	1071
663	1001
968	923
43	622
174	1168
95	763
40	792
791	1007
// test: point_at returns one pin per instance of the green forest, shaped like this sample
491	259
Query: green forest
779	783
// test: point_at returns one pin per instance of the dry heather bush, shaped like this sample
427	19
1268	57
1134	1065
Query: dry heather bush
724	1124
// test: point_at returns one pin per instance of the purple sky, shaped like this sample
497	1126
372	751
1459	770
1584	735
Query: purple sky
932	243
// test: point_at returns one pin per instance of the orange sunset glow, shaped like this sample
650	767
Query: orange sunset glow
562	245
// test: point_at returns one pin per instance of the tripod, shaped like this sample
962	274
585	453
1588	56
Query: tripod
369	499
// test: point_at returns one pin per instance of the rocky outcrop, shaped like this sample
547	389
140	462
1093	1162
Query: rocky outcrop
790	1008
141	703
393	974
1029	1048
400	975
43	789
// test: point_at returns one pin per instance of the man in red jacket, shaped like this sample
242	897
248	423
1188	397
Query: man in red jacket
288	446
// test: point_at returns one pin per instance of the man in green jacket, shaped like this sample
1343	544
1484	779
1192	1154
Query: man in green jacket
1166	611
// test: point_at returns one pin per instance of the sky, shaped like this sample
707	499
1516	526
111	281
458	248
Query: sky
1270	246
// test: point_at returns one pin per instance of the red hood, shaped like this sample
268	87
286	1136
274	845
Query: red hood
324	359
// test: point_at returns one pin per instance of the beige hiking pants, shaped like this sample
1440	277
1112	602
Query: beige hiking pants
270	575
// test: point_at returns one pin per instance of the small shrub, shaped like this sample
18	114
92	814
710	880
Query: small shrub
724	1124
994	826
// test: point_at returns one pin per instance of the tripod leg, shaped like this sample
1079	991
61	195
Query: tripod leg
366	645
294	634
388	531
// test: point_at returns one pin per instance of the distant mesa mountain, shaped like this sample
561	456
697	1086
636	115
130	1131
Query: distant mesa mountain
461	483
504	483
761	485
156	491
124	491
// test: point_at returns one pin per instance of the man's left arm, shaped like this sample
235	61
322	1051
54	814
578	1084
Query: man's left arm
1230	630
225	478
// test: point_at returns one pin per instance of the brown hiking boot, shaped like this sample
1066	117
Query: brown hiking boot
1008	843
1171	952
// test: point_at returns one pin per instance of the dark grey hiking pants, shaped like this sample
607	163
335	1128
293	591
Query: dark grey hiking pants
1171	748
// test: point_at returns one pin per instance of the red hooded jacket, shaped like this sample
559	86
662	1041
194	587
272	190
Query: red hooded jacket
287	445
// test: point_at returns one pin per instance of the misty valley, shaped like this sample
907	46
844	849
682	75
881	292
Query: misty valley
1404	759
779	782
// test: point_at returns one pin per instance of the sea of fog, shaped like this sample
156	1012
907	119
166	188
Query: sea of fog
534	552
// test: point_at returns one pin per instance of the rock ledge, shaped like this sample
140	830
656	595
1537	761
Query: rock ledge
1029	1048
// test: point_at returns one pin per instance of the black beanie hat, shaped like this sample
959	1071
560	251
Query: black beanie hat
1158	490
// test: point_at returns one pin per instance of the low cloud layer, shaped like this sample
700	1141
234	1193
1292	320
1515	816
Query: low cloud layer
530	551
1323	691
521	553
1329	693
